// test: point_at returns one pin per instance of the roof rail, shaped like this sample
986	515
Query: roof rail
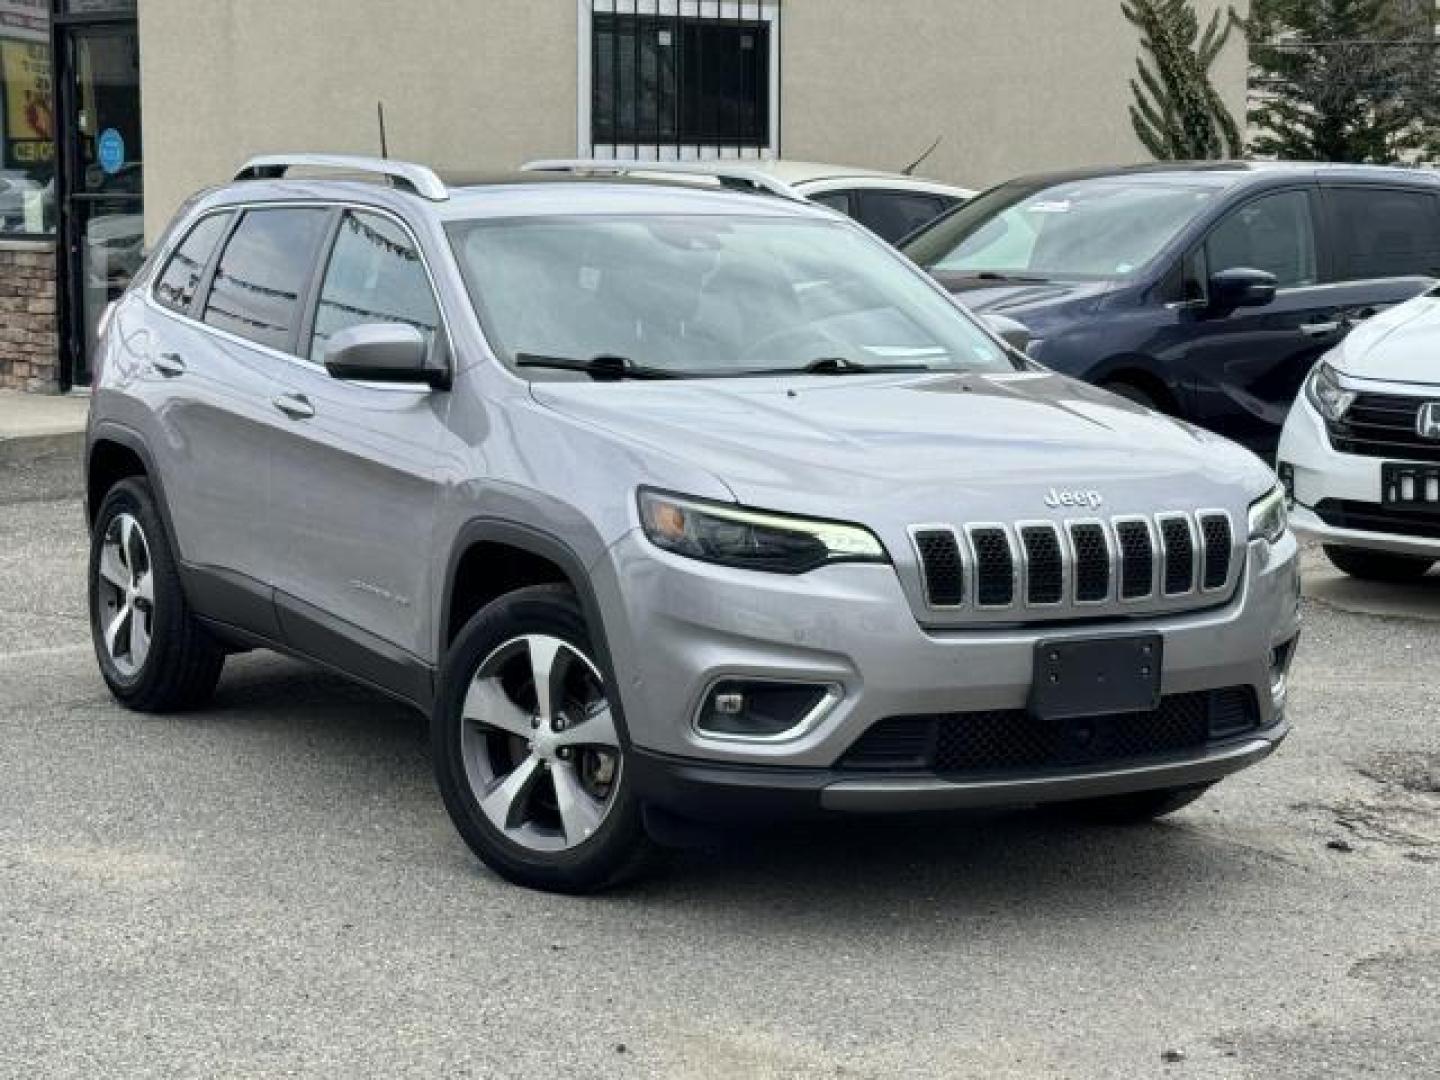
403	174
730	174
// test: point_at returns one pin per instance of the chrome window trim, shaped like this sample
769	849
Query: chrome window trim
148	295
966	585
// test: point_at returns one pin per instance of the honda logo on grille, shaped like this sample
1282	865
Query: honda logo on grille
1427	421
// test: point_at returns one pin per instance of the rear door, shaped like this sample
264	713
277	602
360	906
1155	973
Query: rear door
355	489
1386	242
1243	368
233	281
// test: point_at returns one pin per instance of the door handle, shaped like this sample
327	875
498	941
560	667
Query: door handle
169	364
1321	329
295	406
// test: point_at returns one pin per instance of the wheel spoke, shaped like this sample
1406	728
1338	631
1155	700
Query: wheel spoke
544	654
487	703
112	632
579	813
139	639
127	553
596	729
145	588
506	802
112	568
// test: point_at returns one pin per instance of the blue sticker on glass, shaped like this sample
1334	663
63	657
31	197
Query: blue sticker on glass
110	148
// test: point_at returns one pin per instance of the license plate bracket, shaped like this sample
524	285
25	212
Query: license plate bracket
1408	485
1077	678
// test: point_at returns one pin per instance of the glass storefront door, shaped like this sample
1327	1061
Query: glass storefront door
102	197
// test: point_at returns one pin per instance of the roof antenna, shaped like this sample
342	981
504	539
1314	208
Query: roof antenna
909	170
380	114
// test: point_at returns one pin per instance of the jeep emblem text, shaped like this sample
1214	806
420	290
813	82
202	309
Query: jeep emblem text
1055	499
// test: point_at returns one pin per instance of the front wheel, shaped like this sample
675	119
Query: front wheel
1134	808
1378	565
527	752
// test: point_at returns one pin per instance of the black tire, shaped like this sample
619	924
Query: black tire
184	661
1134	808
1378	565
1138	394
619	848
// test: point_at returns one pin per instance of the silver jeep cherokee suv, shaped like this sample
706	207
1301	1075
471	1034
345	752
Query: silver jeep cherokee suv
667	505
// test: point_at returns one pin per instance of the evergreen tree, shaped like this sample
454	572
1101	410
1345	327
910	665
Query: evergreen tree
1177	113
1342	80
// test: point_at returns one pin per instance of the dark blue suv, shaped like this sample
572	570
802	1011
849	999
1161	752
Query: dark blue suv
1206	291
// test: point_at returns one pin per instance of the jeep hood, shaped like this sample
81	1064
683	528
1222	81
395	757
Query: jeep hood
960	446
1399	345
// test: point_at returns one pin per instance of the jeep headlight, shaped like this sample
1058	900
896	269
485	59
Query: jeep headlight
1331	400
1268	516
752	539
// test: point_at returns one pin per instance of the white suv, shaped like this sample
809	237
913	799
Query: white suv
1360	453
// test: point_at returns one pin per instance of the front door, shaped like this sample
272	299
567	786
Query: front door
1244	367
101	178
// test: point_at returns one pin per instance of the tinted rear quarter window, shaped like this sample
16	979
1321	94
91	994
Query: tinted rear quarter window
262	273
895	214
1385	232
181	277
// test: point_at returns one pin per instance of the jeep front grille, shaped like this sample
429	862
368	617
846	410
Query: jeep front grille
1079	568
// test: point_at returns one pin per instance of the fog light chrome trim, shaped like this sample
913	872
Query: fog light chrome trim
833	694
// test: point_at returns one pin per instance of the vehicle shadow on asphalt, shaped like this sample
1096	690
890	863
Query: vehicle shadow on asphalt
980	863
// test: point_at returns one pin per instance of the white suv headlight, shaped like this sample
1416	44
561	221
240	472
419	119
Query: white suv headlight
1331	400
1268	516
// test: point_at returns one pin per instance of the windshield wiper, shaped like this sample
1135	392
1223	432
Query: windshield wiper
837	365
603	368
1011	279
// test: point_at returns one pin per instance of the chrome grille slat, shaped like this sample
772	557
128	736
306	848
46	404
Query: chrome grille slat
1078	567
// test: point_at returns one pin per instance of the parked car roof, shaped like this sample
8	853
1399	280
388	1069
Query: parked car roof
1226	173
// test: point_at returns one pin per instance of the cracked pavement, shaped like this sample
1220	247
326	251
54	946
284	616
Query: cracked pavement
271	887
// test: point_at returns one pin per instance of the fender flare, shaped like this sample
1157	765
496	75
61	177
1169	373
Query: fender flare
112	431
552	549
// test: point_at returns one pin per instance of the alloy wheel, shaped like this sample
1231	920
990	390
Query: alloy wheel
127	594
538	740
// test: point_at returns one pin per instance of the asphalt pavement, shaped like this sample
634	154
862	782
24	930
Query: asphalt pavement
271	887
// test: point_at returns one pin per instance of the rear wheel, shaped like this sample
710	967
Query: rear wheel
1378	565
1134	808
153	653
527	752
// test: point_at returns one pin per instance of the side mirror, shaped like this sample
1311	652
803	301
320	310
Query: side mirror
1240	287
1014	334
383	352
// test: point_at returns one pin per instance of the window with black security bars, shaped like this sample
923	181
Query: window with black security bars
675	77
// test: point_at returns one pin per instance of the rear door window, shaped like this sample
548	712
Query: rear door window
186	267
263	272
375	276
892	215
1274	233
1384	232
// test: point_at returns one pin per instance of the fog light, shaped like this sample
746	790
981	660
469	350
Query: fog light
754	709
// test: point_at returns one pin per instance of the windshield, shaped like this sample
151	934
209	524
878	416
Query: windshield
709	296
1107	227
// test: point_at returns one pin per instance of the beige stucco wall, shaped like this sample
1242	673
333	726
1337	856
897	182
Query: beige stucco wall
1012	85
467	84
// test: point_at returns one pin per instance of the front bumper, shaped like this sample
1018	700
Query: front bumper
1321	473
675	626
737	793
